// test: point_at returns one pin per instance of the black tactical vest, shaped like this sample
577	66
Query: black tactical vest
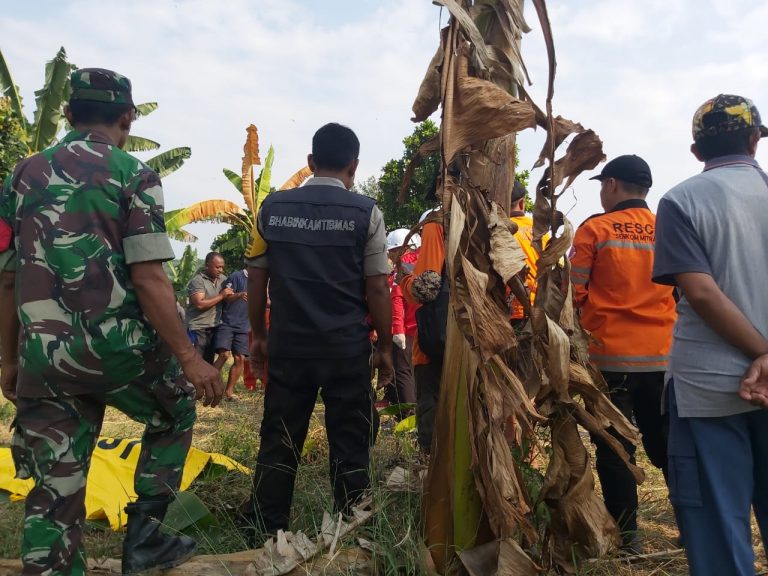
316	236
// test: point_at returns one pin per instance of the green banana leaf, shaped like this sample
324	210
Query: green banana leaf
187	264
406	425
264	179
145	109
187	512
181	235
9	89
139	144
397	409
239	242
50	98
236	179
170	161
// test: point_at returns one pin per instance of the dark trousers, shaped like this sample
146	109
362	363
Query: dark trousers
638	395
427	394
718	470
402	387
203	341
351	424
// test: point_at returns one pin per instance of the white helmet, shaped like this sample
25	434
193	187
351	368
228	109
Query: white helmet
425	214
415	242
396	238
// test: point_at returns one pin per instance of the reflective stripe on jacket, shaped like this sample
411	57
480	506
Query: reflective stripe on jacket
630	318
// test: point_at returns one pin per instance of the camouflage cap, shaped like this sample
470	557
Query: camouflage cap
100	85
726	113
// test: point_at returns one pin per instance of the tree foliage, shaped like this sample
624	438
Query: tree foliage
12	146
421	193
232	245
48	118
181	270
386	189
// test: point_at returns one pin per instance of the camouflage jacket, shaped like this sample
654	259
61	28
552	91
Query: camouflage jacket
80	213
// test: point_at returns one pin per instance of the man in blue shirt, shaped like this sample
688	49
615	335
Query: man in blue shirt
232	333
712	244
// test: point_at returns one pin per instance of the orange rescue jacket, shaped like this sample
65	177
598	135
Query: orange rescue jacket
524	236
431	257
630	317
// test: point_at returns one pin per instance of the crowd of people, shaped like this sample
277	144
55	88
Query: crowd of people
88	319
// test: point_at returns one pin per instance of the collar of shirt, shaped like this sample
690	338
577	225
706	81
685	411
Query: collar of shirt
324	181
627	204
89	135
731	160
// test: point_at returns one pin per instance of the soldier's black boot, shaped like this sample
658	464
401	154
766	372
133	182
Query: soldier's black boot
145	547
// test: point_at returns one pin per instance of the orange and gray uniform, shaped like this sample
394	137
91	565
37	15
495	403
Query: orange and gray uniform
630	318
524	236
426	370
431	257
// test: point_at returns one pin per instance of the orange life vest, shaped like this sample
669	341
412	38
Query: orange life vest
630	318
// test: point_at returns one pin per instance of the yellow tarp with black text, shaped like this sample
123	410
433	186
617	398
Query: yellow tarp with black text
110	480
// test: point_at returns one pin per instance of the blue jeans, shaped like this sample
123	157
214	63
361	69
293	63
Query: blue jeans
718	472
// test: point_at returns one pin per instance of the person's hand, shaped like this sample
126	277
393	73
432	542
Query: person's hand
399	341
10	371
259	357
243	296
227	292
754	384
382	360
205	378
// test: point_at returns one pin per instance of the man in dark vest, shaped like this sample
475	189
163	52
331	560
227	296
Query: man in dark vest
323	252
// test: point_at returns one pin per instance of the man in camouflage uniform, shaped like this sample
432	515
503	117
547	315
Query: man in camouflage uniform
94	323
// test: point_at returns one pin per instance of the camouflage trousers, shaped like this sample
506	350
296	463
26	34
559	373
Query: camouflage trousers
53	443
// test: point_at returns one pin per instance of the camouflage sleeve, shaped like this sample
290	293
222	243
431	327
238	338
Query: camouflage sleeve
144	237
7	251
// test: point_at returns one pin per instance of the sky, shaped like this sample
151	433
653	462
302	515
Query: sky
632	70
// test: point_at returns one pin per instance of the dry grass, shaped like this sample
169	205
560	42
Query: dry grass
232	429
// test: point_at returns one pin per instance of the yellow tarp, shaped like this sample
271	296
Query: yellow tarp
110	480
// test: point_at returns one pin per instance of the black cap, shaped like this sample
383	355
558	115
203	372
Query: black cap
628	168
518	191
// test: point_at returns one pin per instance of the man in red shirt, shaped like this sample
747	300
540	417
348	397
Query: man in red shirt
399	386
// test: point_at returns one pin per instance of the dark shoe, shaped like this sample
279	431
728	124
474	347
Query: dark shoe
145	547
631	545
252	528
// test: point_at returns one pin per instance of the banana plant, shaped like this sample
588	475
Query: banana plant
181	271
48	119
164	163
253	190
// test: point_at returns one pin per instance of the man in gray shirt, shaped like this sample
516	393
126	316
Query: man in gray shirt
206	294
712	243
324	256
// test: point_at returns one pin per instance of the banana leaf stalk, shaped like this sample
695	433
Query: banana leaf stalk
479	506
